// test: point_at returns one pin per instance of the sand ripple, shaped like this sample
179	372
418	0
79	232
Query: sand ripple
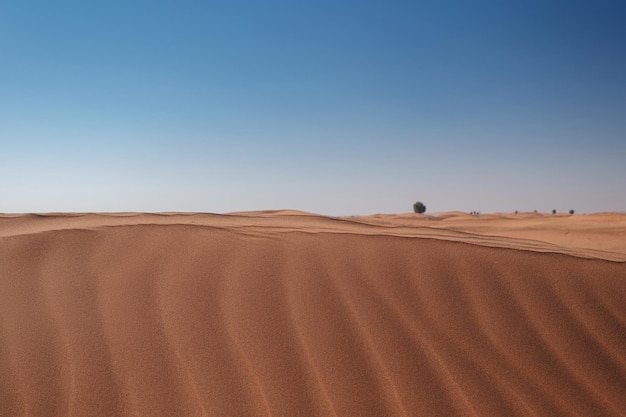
154	318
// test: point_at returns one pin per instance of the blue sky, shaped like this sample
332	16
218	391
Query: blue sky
336	107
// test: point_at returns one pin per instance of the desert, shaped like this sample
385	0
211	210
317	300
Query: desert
287	313
335	208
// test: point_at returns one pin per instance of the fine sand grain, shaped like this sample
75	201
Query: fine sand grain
287	313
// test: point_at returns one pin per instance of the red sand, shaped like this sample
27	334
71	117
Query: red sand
292	314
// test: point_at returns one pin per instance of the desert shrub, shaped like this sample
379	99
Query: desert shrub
571	211
419	207
553	211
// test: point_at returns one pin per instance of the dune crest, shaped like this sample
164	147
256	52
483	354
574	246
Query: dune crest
290	313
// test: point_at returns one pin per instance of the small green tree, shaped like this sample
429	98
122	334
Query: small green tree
571	211
419	207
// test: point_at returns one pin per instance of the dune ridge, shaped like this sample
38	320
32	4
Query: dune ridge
283	314
560	234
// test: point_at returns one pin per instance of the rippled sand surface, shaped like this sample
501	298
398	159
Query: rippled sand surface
293	314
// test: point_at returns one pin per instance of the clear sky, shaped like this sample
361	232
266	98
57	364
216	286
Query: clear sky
337	107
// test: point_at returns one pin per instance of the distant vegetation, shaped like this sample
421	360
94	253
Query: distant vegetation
571	211
553	211
419	207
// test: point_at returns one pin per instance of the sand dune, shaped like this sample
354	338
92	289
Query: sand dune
292	314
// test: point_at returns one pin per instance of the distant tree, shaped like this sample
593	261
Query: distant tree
419	207
553	211
515	211
571	211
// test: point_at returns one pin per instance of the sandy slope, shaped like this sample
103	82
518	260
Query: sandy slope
293	314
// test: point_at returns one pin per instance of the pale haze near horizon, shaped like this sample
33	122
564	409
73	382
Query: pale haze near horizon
339	108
